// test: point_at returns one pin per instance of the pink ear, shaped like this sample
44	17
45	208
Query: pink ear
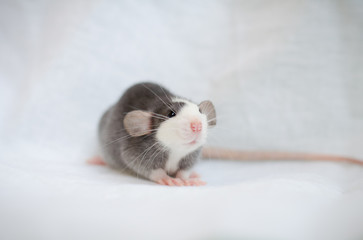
137	123
207	108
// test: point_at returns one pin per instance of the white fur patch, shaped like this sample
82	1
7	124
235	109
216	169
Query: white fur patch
172	164
157	174
176	134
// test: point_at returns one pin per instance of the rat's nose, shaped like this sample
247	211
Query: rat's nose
196	126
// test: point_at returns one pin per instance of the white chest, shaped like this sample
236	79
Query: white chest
172	164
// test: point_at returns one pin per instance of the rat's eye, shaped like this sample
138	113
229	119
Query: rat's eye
171	114
200	110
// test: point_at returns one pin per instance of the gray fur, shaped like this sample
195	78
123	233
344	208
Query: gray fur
188	161
140	154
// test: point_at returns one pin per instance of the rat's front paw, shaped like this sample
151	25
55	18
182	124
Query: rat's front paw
194	182
169	181
160	176
182	178
190	178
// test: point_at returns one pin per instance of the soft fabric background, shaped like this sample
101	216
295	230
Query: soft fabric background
284	75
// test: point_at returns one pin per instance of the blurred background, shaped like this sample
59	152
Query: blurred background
283	75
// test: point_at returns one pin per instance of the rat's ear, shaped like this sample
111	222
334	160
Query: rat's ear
138	123
207	108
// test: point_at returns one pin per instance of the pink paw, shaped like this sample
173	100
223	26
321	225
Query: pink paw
97	160
169	181
194	182
182	178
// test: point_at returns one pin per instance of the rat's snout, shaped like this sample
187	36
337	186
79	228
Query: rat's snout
196	126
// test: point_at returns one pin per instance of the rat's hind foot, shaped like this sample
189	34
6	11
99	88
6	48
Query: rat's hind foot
96	160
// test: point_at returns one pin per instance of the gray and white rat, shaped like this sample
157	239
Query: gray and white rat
156	134
159	136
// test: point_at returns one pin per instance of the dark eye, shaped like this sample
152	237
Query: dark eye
200	110
171	114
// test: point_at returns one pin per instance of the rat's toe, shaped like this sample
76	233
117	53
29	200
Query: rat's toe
177	181
169	182
196	182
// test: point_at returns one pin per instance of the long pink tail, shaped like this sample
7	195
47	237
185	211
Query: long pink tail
222	153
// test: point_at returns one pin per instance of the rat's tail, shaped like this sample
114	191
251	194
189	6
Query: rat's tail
229	154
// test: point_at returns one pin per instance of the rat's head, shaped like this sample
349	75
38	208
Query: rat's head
178	124
187	124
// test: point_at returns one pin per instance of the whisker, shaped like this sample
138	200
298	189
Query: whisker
158	97
129	136
140	162
219	117
210	111
165	94
154	156
116	140
137	157
124	137
210	120
152	113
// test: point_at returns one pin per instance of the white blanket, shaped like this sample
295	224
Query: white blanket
284	75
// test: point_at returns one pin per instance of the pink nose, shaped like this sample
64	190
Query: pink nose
196	126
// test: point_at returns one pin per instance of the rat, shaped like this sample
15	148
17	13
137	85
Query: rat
155	134
159	136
